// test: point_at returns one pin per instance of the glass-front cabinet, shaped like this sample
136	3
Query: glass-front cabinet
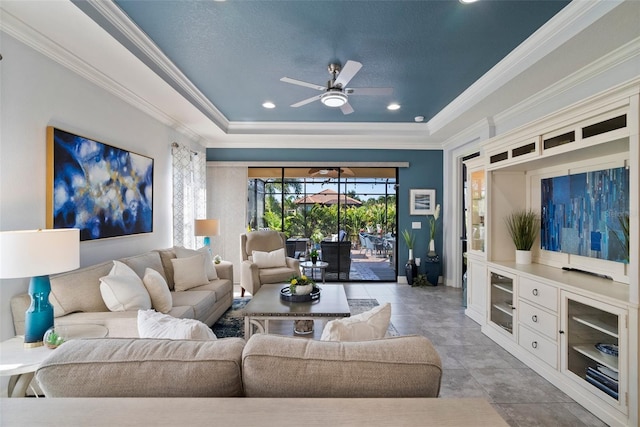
501	300
594	348
478	210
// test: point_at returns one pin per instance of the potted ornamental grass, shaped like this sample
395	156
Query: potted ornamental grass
523	226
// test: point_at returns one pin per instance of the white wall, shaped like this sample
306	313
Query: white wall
36	92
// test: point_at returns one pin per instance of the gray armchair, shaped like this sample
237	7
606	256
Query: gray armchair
251	276
338	255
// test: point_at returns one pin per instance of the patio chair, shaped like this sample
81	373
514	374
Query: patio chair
338	255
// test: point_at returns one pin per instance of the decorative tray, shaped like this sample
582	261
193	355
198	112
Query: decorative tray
610	349
286	295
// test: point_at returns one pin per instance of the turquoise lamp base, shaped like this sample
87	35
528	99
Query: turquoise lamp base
39	316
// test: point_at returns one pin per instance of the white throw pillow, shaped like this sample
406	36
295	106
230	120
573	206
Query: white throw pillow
158	290
123	290
189	272
370	325
269	259
152	324
182	252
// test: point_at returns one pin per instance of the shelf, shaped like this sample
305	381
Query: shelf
590	351
597	324
504	307
503	288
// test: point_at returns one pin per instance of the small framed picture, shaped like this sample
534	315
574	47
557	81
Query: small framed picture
422	201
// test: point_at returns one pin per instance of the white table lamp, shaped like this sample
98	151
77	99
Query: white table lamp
207	228
36	254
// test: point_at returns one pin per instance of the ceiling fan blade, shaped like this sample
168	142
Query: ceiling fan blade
348	71
301	83
346	109
306	101
369	91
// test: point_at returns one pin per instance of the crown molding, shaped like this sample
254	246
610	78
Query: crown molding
575	17
418	130
21	31
116	17
480	131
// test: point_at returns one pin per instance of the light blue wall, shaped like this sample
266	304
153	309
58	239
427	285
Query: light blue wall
425	171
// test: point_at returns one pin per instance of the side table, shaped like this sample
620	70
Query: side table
320	265
21	363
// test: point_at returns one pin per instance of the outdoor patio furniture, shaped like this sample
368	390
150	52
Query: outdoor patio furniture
338	255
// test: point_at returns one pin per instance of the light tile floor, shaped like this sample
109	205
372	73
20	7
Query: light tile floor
473	365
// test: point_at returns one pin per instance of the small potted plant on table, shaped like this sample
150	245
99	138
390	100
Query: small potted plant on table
523	226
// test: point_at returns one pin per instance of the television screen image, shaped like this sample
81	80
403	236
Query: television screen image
585	213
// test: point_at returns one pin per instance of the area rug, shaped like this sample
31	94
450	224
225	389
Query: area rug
231	324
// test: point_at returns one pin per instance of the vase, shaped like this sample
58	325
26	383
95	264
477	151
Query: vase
432	248
303	289
314	259
411	269
523	257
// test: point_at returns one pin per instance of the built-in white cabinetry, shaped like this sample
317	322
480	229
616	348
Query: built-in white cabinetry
476	232
578	330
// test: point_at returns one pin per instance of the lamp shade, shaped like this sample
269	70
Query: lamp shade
31	253
207	227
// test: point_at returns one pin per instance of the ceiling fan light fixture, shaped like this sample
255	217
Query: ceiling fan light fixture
334	99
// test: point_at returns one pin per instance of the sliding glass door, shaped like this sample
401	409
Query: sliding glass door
348	214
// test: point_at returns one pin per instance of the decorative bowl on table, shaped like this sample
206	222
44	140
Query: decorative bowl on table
53	337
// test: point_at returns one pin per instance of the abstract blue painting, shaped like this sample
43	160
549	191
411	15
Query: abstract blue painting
102	190
581	214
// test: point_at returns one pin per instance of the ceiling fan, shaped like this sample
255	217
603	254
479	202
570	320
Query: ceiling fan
335	94
331	172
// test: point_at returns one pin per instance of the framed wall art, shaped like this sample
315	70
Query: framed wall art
422	202
102	190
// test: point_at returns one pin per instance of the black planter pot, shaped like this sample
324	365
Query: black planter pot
411	271
314	259
432	269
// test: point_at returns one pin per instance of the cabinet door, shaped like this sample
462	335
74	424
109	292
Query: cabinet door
501	301
594	348
477	179
477	290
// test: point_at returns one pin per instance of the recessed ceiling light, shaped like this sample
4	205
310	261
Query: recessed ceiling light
269	105
419	119
467	1
393	106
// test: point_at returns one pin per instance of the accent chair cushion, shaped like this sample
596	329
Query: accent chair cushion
370	325
189	272
158	290
271	259
182	252
152	324
123	290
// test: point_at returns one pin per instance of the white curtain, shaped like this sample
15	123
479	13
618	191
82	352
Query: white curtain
189	194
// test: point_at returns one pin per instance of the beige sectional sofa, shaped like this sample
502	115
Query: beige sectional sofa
76	296
264	366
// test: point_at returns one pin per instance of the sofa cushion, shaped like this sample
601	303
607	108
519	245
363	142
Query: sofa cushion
79	290
264	241
166	255
269	259
277	366
202	303
370	325
182	252
158	290
123	290
152	324
189	272
276	275
140	263
121	367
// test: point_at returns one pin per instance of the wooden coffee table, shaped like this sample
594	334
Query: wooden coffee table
266	305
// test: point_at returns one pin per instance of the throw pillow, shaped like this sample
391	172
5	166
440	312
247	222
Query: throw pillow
182	252
123	290
370	325
189	272
152	324
269	259
158	290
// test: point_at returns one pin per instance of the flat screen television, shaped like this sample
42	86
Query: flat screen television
585	213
